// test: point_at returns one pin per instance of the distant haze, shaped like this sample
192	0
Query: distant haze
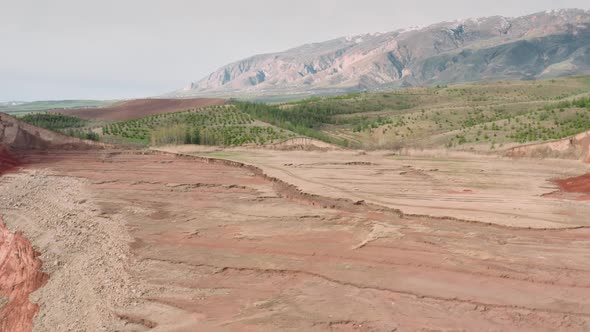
81	49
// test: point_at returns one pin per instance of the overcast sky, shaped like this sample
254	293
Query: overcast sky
106	49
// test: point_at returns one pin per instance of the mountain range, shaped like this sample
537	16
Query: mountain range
542	45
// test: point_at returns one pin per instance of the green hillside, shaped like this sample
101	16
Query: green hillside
217	125
481	116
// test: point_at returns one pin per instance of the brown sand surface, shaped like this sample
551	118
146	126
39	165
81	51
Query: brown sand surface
194	245
491	189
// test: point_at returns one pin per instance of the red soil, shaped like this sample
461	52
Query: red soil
227	248
140	108
20	275
580	184
7	161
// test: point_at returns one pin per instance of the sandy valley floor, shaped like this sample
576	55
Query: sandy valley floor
481	188
137	241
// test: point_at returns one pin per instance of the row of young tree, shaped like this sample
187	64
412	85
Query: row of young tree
580	103
301	119
53	121
550	129
82	134
64	124
177	134
141	129
226	136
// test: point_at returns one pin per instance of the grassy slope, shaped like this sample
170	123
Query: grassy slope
212	125
481	116
216	125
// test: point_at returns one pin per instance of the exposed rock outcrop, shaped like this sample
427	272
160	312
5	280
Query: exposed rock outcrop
542	45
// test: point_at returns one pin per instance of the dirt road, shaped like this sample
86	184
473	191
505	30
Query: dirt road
189	245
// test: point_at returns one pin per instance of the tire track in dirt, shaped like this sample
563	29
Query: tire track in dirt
224	258
222	269
240	248
292	191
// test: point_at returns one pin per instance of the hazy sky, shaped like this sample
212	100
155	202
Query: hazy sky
104	49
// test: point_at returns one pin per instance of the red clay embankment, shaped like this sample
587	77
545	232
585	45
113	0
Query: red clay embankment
7	160
20	267
20	275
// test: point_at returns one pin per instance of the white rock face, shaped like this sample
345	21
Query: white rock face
463	50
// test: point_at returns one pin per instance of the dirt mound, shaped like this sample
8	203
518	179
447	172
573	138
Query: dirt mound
302	143
140	108
16	135
20	275
577	147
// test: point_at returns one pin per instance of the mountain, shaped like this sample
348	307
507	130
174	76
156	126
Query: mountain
542	45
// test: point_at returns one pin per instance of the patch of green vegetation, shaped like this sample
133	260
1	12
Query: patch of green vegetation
217	125
83	134
551	125
53	122
304	121
311	116
485	115
67	125
585	80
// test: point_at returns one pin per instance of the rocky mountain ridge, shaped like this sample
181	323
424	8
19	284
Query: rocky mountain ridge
541	45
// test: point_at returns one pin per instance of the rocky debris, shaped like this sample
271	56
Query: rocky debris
85	254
